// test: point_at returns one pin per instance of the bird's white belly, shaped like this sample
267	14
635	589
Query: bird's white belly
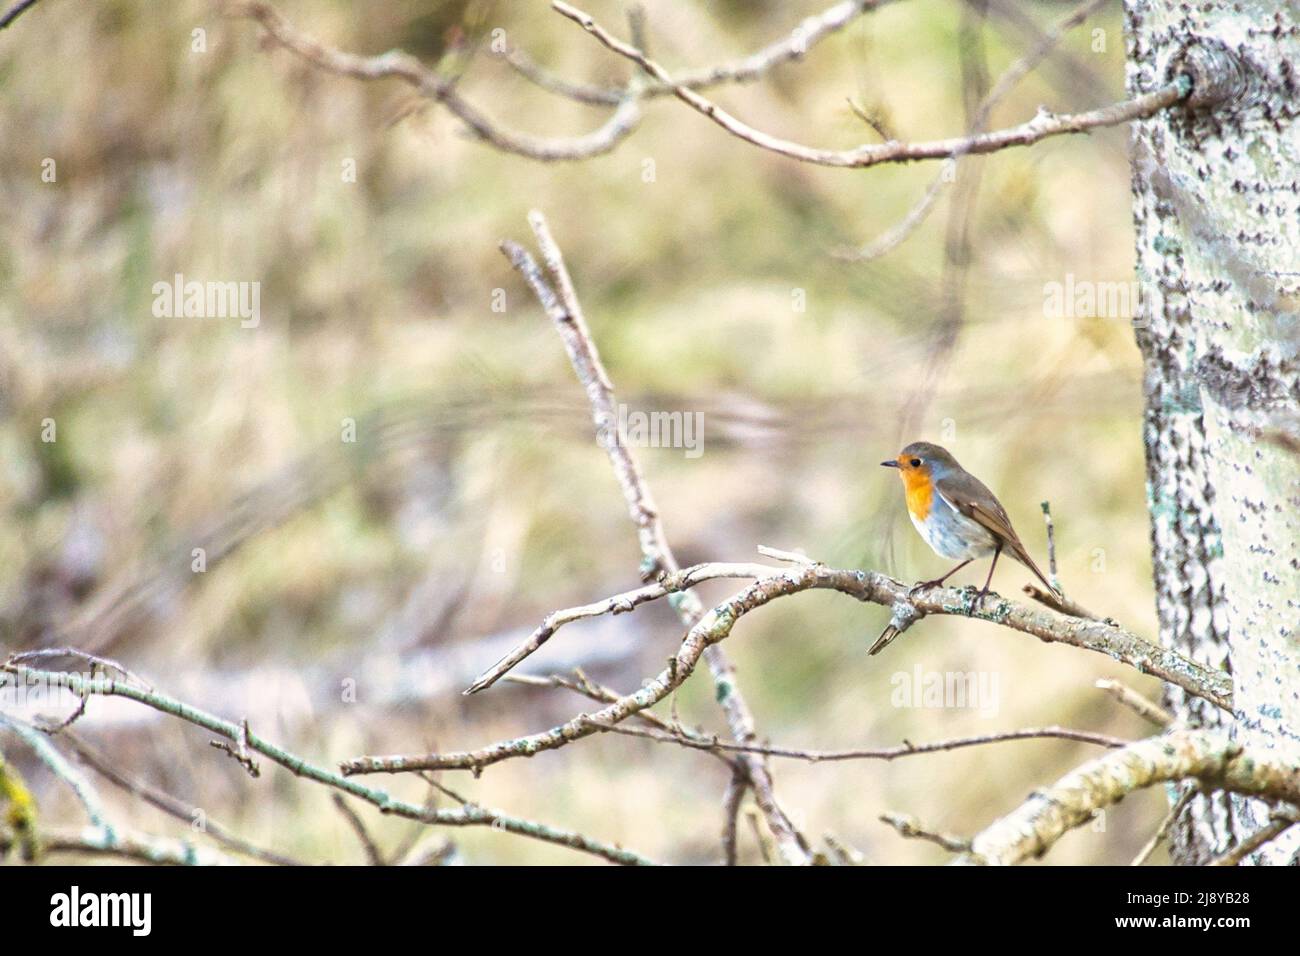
952	535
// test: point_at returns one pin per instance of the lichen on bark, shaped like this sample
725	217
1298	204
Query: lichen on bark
1216	205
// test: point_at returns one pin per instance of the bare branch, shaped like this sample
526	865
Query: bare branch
102	835
1042	126
373	856
593	691
737	786
170	805
397	64
1136	702
238	750
842	854
1064	605
1089	634
1210	757
790	557
899	233
49	755
792	47
1163	830
588	93
912	828
906	749
657	557
467	815
127	845
95	660
673	583
16	11
865	586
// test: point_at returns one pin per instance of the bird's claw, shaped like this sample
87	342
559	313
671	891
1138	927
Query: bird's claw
923	585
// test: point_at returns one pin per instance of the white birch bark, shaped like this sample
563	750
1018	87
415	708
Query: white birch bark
1216	195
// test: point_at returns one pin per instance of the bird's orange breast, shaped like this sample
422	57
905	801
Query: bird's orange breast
920	493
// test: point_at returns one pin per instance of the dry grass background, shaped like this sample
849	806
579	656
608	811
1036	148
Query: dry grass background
474	500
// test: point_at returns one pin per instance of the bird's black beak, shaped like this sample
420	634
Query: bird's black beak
889	464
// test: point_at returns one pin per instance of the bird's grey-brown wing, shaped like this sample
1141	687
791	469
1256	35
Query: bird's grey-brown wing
968	495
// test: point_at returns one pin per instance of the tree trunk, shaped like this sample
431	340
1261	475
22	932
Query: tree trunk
1216	205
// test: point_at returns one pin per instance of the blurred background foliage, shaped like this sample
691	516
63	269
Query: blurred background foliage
475	500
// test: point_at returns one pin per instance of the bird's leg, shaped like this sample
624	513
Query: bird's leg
937	582
979	598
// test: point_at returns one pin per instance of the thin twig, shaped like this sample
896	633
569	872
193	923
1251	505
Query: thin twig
732	797
896	235
170	805
397	64
238	749
842	853
673	583
912	828
1063	604
94	660
373	854
49	755
124	844
790	557
16	11
1042	126
764	841
560	301
717	625
1090	634
465	815
536	74
793	46
906	749
1136	702
1163	830
1051	544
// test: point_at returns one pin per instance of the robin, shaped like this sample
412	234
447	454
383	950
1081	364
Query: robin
956	515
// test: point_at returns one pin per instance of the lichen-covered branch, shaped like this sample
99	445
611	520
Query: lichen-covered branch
1210	757
717	624
913	829
170	805
122	844
469	814
618	604
1136	703
874	587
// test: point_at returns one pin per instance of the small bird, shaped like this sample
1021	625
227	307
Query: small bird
956	514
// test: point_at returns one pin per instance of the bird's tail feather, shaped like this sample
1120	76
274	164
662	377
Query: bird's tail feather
1020	554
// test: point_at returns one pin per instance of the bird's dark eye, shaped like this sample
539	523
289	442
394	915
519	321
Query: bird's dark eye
915	463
